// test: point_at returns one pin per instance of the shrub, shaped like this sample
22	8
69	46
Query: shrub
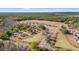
33	45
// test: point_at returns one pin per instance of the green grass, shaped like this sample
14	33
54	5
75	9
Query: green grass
40	16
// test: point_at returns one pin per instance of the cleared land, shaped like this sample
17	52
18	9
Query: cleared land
36	38
62	41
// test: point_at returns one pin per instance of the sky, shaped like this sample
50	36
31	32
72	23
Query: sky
39	9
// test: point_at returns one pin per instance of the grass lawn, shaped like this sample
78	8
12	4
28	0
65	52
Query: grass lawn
63	42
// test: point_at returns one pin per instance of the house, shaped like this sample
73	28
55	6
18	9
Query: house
20	35
76	35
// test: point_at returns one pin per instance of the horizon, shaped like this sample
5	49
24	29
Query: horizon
39	10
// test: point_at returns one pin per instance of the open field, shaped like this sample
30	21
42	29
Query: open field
72	41
43	22
62	41
36	38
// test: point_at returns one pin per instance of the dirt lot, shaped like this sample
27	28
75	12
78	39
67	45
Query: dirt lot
62	41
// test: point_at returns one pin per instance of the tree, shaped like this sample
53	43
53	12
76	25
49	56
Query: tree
9	33
6	34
